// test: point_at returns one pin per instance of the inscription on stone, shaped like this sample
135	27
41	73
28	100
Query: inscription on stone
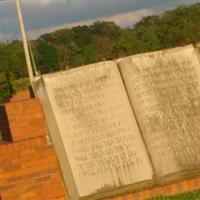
98	128
165	91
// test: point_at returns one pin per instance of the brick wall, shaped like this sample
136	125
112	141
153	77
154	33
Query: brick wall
4	127
25	120
29	168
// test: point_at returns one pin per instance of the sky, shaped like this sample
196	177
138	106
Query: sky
42	16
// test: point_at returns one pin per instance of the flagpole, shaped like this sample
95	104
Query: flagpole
24	40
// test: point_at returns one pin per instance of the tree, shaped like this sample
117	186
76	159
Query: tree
109	29
48	57
102	41
6	72
127	44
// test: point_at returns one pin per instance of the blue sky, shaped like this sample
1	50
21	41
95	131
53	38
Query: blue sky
47	15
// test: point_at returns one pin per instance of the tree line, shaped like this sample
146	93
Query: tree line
80	45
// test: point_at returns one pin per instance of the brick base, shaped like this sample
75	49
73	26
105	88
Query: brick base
29	168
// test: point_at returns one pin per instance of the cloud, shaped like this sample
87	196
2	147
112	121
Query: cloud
127	19
38	1
43	16
130	18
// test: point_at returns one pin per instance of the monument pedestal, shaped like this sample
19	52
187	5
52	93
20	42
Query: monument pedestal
28	162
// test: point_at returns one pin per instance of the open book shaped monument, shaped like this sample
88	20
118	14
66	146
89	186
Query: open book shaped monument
125	125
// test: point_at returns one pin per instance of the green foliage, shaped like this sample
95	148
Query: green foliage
68	48
105	40
5	87
109	29
10	58
48	57
172	28
186	196
21	84
127	44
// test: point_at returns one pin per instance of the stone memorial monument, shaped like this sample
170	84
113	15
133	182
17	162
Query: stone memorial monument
125	125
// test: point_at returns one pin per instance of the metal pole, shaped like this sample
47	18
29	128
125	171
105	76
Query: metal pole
24	40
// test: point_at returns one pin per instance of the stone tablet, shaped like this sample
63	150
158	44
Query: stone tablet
164	89
94	130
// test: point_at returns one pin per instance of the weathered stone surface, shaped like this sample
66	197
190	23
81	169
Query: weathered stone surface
94	130
164	89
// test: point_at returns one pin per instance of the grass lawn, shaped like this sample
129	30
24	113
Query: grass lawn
21	84
185	196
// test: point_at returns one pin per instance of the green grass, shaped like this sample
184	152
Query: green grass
185	196
21	84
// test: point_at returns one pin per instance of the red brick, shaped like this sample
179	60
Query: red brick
24	120
29	167
22	95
